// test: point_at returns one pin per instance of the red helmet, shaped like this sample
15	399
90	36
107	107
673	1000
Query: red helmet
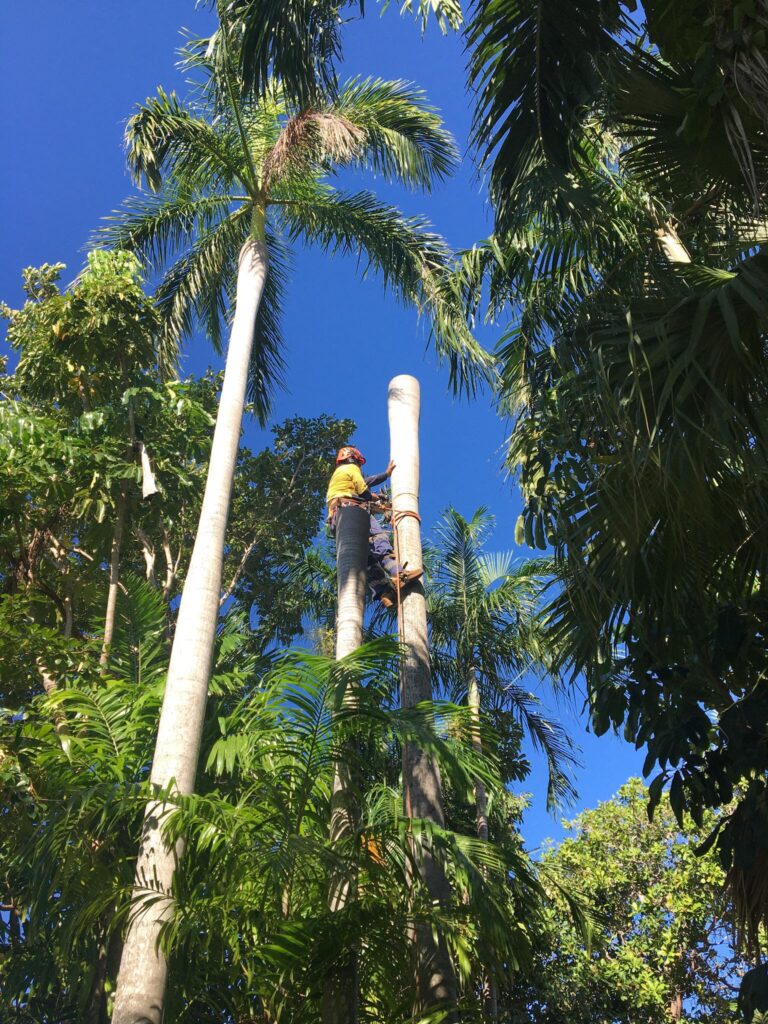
348	452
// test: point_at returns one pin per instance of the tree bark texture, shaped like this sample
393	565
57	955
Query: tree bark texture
436	981
340	995
142	978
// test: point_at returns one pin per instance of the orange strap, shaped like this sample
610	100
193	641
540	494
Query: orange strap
396	517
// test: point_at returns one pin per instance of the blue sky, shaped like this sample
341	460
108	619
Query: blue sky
73	73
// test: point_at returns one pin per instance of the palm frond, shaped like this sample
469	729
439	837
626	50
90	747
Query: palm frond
403	138
536	65
548	737
408	255
197	287
310	139
139	649
165	138
296	42
448	13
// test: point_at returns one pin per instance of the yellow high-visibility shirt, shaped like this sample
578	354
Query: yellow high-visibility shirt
347	482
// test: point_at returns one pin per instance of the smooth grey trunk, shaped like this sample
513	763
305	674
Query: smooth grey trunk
341	993
143	969
436	981
114	577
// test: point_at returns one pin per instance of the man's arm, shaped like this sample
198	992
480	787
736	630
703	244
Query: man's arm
379	478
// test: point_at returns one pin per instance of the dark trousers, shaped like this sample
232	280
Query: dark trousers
382	564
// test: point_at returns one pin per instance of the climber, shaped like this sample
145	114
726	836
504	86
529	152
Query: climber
348	486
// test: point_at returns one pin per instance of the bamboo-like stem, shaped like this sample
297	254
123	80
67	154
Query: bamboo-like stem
436	980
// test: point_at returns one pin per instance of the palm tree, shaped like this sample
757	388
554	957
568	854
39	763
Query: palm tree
299	41
232	182
628	184
486	637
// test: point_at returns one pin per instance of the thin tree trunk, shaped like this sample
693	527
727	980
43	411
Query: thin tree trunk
490	996
481	798
436	981
340	994
150	557
95	1010
143	968
114	577
676	1006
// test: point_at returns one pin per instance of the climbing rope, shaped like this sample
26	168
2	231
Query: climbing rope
396	516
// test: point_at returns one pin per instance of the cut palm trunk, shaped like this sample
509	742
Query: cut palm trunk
340	995
436	981
142	977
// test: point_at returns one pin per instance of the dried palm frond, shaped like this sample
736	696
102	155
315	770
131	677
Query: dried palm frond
310	139
748	888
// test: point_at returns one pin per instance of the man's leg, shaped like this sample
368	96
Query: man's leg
381	564
381	550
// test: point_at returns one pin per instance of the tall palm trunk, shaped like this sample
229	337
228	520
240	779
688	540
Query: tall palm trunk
481	798
340	995
436	981
143	968
490	995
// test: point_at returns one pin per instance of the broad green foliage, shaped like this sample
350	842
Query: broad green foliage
85	401
253	933
628	187
660	940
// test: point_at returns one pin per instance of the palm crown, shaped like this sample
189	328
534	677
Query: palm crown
221	168
485	632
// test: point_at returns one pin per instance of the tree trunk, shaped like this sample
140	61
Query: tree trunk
340	994
95	1009
490	995
436	981
676	1006
114	577
481	799
143	969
